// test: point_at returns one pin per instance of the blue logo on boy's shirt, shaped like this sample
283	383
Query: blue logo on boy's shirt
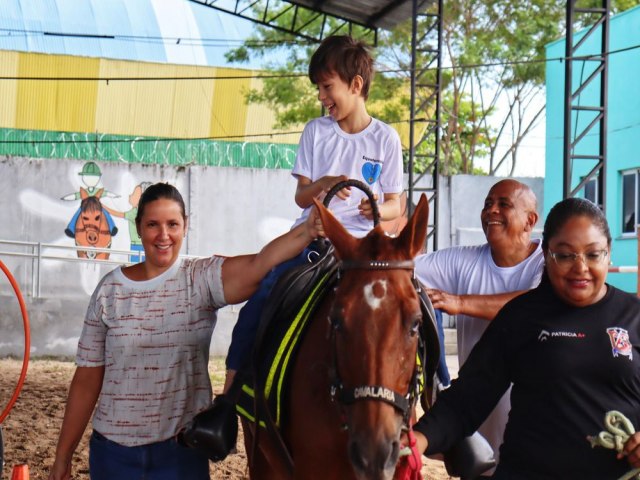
371	172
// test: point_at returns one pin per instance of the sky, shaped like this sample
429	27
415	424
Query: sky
531	153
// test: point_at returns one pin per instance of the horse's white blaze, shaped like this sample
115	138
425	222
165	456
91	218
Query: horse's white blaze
374	298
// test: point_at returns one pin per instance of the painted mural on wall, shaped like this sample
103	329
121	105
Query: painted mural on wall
91	224
130	217
94	222
36	188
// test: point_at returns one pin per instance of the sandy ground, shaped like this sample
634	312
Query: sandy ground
31	429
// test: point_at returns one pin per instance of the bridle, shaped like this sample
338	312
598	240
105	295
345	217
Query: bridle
344	396
339	393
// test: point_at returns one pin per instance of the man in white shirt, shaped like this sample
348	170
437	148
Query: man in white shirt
474	282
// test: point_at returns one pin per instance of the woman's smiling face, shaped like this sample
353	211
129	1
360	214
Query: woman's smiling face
578	279
162	229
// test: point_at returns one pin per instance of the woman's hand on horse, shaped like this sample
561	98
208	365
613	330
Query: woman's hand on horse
421	441
365	207
447	302
314	224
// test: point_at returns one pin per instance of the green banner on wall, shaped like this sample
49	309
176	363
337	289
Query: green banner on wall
148	150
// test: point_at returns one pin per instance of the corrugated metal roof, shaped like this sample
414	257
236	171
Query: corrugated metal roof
144	30
372	13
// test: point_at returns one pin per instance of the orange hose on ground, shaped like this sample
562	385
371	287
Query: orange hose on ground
27	342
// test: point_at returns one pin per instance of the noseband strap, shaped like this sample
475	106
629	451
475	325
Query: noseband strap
372	392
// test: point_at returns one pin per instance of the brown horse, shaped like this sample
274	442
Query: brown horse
92	229
353	382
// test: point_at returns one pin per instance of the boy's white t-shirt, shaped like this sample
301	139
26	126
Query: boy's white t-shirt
373	156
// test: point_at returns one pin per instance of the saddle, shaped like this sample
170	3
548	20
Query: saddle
259	389
292	303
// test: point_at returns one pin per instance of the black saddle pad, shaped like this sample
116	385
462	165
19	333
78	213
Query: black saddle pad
292	303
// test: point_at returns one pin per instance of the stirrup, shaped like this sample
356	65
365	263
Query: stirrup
213	431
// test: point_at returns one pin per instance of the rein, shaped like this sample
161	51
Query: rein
347	396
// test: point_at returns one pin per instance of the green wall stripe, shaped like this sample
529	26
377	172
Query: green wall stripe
147	150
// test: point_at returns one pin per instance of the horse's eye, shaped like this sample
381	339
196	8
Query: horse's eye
415	326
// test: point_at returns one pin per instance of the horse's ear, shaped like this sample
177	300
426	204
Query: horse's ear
342	240
99	192
83	193
414	235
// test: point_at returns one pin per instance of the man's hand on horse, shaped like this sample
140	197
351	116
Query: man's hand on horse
365	207
447	302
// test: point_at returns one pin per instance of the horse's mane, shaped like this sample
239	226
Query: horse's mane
91	204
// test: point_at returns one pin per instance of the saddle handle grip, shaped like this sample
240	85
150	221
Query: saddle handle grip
360	185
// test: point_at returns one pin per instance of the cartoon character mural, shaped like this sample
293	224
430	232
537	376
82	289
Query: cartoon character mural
91	228
91	225
130	217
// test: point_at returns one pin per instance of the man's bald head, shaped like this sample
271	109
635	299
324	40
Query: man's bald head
520	189
509	215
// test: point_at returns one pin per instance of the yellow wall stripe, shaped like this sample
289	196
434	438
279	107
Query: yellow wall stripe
56	105
186	108
8	88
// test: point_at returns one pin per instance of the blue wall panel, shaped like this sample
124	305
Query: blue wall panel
623	136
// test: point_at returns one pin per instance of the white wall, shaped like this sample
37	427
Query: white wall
231	211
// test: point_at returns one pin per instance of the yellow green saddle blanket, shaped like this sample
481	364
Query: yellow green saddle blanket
281	330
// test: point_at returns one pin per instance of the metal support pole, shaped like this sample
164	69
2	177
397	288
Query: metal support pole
37	295
412	106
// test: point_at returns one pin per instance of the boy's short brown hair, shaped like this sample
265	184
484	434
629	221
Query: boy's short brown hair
345	56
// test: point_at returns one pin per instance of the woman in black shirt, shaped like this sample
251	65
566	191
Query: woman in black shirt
571	349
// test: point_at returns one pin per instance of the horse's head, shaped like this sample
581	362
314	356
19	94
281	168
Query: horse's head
375	321
90	219
92	229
